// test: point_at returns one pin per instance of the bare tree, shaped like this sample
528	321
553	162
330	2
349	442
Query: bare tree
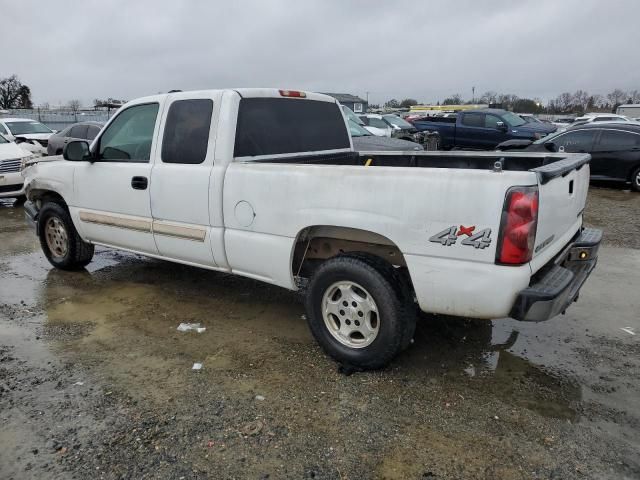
563	102
616	97
581	100
489	97
634	96
507	100
74	105
596	101
453	100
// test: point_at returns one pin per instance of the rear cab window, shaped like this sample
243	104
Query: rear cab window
277	126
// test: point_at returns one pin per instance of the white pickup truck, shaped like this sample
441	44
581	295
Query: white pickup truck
265	183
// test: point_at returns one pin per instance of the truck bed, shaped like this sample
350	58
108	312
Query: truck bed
546	166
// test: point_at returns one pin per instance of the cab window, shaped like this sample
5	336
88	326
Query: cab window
491	121
128	138
78	131
473	119
186	133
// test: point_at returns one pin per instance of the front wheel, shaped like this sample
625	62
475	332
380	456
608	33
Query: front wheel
635	180
60	240
358	313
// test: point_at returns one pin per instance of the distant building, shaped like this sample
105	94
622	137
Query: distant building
356	104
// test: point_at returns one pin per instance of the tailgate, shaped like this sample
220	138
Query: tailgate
563	188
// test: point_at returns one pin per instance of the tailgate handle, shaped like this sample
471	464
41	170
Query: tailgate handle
571	187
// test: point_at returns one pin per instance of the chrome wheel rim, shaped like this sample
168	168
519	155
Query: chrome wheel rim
56	236
350	314
638	179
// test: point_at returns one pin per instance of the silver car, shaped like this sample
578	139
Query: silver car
78	131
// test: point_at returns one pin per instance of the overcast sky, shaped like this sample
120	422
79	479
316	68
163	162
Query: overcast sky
421	49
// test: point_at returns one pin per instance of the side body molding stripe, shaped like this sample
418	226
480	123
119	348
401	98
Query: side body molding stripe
143	225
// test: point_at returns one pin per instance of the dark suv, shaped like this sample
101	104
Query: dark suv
614	149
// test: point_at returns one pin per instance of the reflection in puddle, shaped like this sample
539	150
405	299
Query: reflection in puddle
480	351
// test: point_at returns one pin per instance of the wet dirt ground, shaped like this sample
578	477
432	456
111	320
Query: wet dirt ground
96	382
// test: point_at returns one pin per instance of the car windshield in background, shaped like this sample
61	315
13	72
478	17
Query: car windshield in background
25	128
357	131
397	121
352	116
531	119
513	120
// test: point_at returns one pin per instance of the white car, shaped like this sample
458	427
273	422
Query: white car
12	159
34	135
376	125
241	181
600	117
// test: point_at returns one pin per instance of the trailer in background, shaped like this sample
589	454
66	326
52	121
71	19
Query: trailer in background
629	110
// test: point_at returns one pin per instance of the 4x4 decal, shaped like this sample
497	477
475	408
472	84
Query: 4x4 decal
449	236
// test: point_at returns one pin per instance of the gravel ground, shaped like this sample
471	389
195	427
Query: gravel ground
96	382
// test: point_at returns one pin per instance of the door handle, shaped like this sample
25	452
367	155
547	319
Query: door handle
139	183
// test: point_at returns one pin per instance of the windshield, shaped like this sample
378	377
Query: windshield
356	130
529	119
22	128
397	121
352	116
512	119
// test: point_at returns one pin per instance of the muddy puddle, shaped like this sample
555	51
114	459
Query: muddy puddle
469	399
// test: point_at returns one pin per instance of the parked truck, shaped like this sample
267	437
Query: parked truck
265	183
481	129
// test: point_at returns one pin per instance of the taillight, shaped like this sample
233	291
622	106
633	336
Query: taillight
518	226
292	93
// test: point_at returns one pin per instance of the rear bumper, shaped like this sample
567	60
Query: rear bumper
558	284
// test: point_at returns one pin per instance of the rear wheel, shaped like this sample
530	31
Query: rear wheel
60	240
635	180
357	313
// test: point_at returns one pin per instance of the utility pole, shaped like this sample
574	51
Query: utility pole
367	99
473	95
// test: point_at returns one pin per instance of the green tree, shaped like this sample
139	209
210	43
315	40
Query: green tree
408	102
13	94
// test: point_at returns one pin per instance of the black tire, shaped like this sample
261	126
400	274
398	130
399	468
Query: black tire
77	253
396	316
402	287
635	180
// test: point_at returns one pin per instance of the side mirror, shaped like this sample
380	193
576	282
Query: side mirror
550	146
502	126
76	151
